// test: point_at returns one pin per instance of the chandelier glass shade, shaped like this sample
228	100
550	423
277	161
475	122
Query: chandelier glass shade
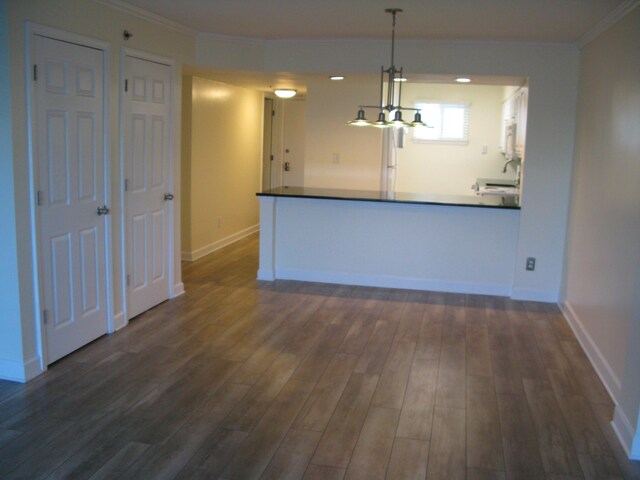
391	80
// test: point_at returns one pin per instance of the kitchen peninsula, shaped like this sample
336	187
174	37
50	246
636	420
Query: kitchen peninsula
464	244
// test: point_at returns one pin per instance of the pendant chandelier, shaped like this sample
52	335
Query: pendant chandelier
394	79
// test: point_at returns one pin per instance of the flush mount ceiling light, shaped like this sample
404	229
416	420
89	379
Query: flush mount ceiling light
285	92
336	77
463	80
393	102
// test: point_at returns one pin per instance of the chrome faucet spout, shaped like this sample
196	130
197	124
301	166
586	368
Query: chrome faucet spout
504	170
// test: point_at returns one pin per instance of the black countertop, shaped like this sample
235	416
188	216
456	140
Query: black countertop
487	201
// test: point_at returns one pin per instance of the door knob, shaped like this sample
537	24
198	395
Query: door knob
168	196
103	210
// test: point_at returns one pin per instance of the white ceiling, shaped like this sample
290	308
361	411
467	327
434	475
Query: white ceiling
558	21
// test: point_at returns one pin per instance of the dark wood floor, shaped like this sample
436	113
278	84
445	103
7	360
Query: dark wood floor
239	379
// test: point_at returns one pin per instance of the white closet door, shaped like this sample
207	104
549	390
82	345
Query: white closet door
146	130
70	160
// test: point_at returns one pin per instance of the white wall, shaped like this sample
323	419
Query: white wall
97	21
222	166
450	169
359	150
11	354
602	279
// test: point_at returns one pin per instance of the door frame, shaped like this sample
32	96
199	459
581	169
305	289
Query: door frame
175	289
32	30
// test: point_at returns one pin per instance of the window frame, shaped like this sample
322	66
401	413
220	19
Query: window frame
466	106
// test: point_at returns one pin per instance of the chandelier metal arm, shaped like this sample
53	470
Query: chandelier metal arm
394	76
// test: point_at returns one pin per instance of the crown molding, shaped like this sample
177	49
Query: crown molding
607	22
146	15
233	38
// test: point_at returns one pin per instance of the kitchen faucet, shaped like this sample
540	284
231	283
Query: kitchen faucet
504	170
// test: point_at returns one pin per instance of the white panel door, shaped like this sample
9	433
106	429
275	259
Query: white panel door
70	161
146	143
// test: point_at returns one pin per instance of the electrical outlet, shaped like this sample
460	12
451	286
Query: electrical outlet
531	264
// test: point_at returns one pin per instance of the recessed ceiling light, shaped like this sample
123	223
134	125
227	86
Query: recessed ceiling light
285	92
336	77
463	80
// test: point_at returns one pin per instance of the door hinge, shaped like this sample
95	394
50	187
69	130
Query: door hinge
271	157
35	73
39	199
273	113
126	184
126	84
44	316
128	276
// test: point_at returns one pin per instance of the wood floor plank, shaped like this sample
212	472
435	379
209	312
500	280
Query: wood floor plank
478	474
484	439
323	400
519	440
429	339
128	454
292	457
12	454
556	449
373	448
505	364
375	353
447	446
323	472
409	459
213	456
478	351
251	408
416	416
395	375
341	434
595	467
69	441
256	451
451	372
358	335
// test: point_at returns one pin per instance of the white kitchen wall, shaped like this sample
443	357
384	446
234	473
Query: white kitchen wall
449	169
340	155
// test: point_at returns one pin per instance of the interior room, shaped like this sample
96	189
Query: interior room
201	277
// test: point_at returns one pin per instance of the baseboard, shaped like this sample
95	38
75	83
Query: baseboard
624	431
390	282
603	369
119	321
267	275
531	295
178	289
19	371
217	245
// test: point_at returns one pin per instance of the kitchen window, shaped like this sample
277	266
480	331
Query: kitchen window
449	123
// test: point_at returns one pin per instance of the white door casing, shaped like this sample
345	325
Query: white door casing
71	173
146	150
